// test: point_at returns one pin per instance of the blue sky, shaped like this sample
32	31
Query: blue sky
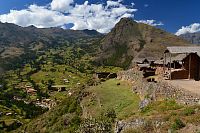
173	14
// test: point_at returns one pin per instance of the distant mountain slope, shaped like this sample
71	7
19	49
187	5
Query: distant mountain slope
12	35
192	37
18	42
129	40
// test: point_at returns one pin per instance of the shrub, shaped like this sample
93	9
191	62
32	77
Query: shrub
178	124
188	111
169	105
110	113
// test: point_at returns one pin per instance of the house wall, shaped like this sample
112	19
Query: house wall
194	66
182	74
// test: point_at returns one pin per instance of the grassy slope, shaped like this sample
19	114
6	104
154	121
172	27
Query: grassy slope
110	95
167	111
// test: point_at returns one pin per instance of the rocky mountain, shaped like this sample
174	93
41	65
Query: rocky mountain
130	40
192	37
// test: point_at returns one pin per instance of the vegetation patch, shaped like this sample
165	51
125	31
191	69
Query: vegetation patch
188	111
161	106
178	124
119	58
109	95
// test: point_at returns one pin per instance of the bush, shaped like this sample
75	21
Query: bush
110	113
178	124
169	105
188	111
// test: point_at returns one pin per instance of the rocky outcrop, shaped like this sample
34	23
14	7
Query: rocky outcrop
144	103
121	126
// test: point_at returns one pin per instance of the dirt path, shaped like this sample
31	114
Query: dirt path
189	85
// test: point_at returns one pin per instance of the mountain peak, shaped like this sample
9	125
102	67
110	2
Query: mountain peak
129	40
126	20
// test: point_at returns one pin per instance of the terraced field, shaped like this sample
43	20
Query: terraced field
111	94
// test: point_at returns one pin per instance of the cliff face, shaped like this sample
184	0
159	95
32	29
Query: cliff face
129	40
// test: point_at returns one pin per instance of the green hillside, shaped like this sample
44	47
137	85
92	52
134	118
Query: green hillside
49	83
109	95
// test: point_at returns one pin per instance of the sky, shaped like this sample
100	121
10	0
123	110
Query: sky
175	16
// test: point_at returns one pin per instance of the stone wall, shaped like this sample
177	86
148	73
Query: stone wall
157	90
166	90
131	75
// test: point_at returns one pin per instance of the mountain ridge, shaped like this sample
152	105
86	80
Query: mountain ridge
193	38
129	40
31	33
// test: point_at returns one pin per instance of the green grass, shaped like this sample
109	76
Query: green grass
110	69
161	107
109	95
57	76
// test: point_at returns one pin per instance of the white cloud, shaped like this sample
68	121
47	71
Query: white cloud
112	3
193	28
132	4
61	5
150	22
100	17
35	15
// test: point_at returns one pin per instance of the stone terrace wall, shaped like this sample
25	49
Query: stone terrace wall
166	90
131	75
159	90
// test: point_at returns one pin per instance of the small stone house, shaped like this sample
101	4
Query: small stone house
190	62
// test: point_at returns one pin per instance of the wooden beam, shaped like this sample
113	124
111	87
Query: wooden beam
170	66
164	62
174	65
189	66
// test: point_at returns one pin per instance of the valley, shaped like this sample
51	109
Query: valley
51	81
